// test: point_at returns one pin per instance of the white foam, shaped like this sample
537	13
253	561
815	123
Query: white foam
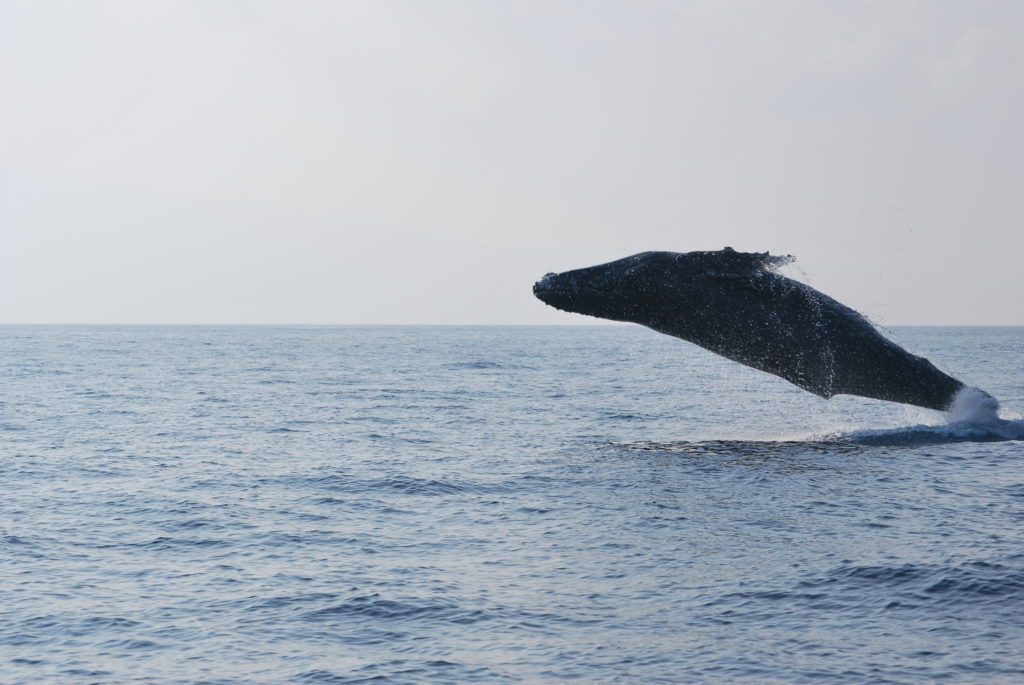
974	415
973	405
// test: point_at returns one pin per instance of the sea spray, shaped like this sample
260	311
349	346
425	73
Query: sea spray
973	405
973	416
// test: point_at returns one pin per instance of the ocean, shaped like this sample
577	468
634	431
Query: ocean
598	504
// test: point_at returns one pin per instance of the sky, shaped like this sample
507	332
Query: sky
424	162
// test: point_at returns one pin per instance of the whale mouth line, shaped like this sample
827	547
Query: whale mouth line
544	294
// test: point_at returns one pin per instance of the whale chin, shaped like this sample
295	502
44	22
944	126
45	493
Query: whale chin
559	299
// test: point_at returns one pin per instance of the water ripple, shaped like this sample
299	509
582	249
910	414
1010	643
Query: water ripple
598	504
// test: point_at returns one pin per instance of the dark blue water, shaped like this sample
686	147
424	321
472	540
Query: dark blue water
422	505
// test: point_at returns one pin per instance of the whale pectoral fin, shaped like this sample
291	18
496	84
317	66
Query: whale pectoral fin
815	388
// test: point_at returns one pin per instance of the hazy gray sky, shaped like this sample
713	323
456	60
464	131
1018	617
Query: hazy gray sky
242	161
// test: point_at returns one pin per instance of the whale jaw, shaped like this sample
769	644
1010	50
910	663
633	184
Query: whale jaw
572	293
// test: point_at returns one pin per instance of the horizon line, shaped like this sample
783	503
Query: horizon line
580	324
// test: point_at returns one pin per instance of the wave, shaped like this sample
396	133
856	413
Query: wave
995	430
999	430
376	607
995	585
972	417
487	364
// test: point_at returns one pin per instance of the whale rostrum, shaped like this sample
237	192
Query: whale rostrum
733	303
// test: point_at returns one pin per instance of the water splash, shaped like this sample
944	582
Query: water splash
973	416
973	405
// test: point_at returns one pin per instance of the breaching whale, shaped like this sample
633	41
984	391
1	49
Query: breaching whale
733	303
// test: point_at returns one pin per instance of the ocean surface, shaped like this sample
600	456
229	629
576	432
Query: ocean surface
496	504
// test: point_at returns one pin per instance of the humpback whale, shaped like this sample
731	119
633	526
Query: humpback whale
733	303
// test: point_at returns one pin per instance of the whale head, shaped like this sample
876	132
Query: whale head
617	289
